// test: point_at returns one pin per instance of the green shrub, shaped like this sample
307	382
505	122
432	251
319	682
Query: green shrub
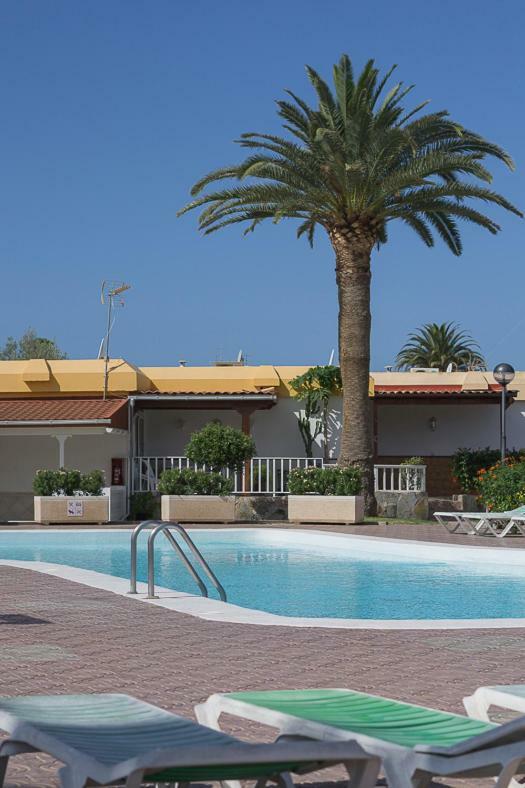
325	481
219	447
413	461
189	482
466	464
46	482
92	483
67	481
502	487
144	506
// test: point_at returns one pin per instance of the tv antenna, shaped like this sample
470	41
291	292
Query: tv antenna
110	294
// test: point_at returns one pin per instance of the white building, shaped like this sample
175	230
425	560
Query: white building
52	414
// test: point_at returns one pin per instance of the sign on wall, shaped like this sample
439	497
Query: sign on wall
75	508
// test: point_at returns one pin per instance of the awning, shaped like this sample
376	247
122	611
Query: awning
64	413
439	394
234	400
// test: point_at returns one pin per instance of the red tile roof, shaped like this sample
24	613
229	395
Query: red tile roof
433	391
112	411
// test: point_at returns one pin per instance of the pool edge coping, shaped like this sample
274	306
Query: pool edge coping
228	613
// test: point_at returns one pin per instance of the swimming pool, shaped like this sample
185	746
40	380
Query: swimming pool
308	574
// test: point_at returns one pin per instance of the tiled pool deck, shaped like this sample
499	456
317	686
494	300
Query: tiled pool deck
58	637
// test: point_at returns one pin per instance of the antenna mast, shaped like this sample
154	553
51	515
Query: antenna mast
109	292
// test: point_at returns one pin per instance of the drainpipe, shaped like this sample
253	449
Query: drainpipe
131	450
61	438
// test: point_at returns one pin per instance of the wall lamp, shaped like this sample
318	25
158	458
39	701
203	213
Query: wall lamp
432	423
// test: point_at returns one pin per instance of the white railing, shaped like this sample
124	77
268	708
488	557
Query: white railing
262	476
269	475
400	478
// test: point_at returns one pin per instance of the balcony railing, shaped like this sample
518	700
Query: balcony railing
269	475
400	478
261	476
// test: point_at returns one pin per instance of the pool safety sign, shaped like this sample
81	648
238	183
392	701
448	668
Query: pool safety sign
75	508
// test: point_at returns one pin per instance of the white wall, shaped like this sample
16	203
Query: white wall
90	452
20	458
167	432
22	455
275	431
404	429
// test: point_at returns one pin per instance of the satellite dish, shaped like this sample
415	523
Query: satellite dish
331	359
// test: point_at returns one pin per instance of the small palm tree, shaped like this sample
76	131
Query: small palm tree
438	345
349	165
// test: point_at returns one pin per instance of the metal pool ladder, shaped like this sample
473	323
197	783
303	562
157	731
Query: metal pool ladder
166	528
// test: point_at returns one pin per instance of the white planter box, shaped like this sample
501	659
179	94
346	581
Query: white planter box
198	508
71	509
345	509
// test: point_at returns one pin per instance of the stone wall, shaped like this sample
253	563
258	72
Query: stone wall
256	508
406	505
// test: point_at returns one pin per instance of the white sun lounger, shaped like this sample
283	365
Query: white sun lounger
477	523
415	743
105	739
505	696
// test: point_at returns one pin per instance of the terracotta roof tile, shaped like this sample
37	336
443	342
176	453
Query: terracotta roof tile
52	410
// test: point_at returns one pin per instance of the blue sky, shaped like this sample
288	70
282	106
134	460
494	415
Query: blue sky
111	110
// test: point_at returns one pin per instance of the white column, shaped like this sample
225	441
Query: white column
61	449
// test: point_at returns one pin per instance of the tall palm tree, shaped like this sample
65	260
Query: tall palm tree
438	345
350	164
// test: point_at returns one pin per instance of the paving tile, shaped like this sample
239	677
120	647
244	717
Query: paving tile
57	636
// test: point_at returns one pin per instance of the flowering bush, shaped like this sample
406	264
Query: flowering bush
467	463
189	482
68	482
502	487
325	481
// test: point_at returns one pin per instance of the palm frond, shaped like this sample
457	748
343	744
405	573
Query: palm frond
357	157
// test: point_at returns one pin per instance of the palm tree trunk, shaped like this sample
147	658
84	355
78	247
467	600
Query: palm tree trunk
353	275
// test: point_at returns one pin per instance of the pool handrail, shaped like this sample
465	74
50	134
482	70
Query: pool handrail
160	526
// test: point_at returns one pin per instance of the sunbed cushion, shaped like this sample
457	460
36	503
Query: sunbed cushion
112	728
370	715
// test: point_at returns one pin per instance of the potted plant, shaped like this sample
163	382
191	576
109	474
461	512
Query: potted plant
68	496
325	495
205	495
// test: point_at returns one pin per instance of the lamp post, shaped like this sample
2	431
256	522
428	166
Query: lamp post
503	374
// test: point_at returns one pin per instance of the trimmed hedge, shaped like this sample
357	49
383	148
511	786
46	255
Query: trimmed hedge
325	481
189	482
218	446
68	482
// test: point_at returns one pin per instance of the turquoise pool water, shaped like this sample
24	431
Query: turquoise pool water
296	574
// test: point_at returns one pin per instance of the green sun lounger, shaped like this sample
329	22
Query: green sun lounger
104	739
415	743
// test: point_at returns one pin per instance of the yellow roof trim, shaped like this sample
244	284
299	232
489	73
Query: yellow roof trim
210	380
36	370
